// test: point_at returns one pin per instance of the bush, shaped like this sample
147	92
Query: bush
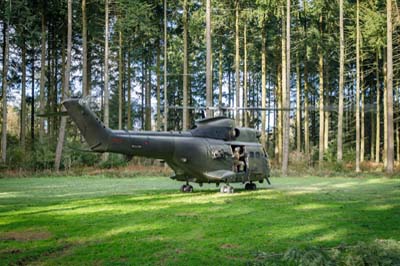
114	160
379	252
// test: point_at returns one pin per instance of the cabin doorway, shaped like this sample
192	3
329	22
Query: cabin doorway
239	158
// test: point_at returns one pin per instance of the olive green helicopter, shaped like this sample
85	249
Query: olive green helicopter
213	151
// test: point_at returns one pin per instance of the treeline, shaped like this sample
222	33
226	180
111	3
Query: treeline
315	77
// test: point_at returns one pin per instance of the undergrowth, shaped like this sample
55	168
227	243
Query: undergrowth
378	252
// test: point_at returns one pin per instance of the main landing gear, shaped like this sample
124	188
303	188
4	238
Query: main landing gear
227	189
186	188
250	186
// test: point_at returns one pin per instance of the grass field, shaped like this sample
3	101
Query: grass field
146	221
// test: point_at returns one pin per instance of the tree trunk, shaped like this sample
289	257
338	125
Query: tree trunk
120	79
321	97
278	150
306	113
385	90
298	104
237	63
106	92
185	67
378	120
165	69
283	88
209	89
63	123
148	99
362	118
4	94
245	113
129	96
85	87
23	97
42	78
358	89
389	87
397	142
158	91
341	85
220	77
263	84
33	99
286	126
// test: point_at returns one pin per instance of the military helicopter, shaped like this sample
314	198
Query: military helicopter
213	151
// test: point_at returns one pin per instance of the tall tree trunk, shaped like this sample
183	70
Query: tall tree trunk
120	79
389	87
378	120
85	87
106	92
385	90
286	126
4	94
341	85
209	88
33	99
165	69
397	142
283	87
358	90
306	113
220	76
245	116
129	96
237	63
23	97
148	98
326	112
42	77
372	142
185	67
158	91
321	95
278	150
362	118
298	104
263	84
63	123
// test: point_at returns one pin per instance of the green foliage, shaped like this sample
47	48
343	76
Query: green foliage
114	160
376	253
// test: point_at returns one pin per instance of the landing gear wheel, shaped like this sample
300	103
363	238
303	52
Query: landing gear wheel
227	189
250	186
186	188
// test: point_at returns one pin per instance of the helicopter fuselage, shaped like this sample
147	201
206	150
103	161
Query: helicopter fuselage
204	154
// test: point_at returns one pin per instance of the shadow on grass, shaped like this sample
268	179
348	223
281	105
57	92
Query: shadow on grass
165	227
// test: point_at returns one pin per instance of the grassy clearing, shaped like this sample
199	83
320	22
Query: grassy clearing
146	221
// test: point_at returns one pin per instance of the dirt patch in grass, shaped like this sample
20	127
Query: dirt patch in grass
229	246
25	236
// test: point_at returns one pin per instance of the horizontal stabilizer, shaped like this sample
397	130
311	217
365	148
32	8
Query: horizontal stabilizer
52	114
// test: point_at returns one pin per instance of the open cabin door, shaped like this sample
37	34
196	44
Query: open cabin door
239	156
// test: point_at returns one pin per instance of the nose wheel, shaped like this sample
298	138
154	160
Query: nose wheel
186	188
250	186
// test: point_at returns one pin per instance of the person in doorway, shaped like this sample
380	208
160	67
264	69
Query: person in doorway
238	164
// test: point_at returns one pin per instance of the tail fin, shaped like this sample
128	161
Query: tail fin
96	134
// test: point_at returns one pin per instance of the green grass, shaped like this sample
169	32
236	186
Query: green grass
146	221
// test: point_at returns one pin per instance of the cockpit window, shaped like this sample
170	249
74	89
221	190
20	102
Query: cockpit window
257	155
251	154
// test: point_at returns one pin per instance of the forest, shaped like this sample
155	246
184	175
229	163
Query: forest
318	78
